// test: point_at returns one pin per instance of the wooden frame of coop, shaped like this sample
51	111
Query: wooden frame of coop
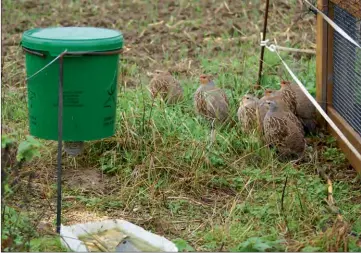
324	74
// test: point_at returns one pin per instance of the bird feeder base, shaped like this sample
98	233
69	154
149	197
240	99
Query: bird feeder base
73	148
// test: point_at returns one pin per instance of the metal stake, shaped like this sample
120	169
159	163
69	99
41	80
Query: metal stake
262	48
60	144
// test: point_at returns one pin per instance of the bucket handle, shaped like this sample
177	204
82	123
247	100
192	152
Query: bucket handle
118	51
34	52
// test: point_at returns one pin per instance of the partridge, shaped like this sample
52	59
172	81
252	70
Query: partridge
247	112
210	101
262	109
305	110
283	132
288	96
163	84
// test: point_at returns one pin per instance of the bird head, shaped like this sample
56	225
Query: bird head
205	79
269	104
247	99
285	84
269	92
161	72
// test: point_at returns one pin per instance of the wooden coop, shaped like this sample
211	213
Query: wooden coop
338	77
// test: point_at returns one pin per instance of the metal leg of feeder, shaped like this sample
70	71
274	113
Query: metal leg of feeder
60	147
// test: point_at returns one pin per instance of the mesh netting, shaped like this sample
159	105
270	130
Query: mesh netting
347	69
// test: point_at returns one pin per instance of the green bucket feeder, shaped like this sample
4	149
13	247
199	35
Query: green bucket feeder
72	75
89	81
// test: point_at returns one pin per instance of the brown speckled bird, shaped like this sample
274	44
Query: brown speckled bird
288	95
166	86
247	112
211	101
282	131
262	109
305	110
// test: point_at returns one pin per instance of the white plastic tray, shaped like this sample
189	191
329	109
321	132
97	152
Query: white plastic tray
70	234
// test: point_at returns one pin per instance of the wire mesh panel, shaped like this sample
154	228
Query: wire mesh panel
347	69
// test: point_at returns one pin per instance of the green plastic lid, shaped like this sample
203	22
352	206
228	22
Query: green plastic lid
56	40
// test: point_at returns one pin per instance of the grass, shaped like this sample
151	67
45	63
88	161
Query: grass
159	170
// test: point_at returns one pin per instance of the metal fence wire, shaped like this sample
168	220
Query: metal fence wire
346	95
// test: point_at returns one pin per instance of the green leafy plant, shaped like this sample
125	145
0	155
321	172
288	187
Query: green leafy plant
182	245
257	244
17	228
47	244
335	155
354	245
28	149
6	140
